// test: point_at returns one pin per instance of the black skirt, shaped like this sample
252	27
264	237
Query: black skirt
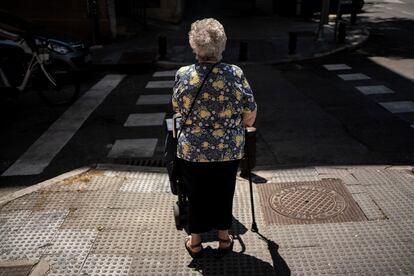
210	189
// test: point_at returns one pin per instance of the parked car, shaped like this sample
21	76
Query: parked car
62	48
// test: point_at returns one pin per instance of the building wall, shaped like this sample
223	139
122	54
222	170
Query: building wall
69	16
169	10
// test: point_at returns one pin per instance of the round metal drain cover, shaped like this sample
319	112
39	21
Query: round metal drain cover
308	202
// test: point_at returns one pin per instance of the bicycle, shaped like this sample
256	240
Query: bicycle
25	62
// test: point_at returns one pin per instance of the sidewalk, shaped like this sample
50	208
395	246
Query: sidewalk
118	220
267	38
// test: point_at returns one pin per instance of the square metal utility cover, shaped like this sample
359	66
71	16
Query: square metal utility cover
308	202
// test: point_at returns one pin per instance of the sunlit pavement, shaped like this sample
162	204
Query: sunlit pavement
118	220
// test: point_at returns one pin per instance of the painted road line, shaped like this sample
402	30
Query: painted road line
154	99
399	107
333	67
350	77
160	84
145	119
133	148
41	153
408	13
170	73
374	89
394	1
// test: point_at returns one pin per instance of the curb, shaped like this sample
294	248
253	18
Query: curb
119	167
6	199
163	64
100	166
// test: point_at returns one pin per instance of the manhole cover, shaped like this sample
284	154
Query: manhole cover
307	202
327	200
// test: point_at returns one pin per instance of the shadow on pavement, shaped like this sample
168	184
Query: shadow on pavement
239	263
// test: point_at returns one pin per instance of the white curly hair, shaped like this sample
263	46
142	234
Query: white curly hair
207	39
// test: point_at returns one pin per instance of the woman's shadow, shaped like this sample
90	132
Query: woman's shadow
239	263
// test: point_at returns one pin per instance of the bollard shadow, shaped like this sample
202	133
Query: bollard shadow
239	263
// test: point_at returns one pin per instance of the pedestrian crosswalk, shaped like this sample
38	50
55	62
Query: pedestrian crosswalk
154	99
39	156
396	107
145	119
145	148
41	153
374	89
160	84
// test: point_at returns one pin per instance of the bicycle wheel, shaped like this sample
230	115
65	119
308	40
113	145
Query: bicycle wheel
65	89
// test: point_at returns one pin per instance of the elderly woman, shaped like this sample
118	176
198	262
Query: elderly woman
211	142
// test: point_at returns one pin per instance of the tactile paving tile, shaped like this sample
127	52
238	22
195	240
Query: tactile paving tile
242	209
30	201
93	183
114	219
295	175
25	245
250	257
393	201
374	247
29	239
69	250
48	220
147	183
139	173
12	221
343	174
15	271
117	242
144	201
368	206
371	176
106	265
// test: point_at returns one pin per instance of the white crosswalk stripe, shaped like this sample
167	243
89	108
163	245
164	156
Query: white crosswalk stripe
160	84
334	67
374	89
170	73
394	1
133	148
351	77
399	106
42	152
154	99
145	119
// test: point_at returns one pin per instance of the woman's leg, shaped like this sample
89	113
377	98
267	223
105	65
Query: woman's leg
194	240
225	183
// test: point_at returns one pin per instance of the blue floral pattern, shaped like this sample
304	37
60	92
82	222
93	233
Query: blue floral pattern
214	132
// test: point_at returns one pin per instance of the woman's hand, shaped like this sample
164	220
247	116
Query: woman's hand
249	118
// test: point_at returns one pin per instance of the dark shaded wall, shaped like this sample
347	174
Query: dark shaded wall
70	16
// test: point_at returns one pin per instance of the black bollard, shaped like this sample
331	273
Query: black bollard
341	32
243	51
162	47
293	38
353	13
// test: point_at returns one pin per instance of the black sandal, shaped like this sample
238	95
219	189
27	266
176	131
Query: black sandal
194	255
227	249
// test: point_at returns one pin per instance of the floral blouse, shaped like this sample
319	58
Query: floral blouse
214	132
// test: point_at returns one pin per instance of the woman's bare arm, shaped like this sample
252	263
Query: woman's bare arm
249	118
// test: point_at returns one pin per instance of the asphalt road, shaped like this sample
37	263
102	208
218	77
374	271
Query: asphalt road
307	114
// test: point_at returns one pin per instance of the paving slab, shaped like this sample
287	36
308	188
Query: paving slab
103	222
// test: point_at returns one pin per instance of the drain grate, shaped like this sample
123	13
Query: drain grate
159	163
326	200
